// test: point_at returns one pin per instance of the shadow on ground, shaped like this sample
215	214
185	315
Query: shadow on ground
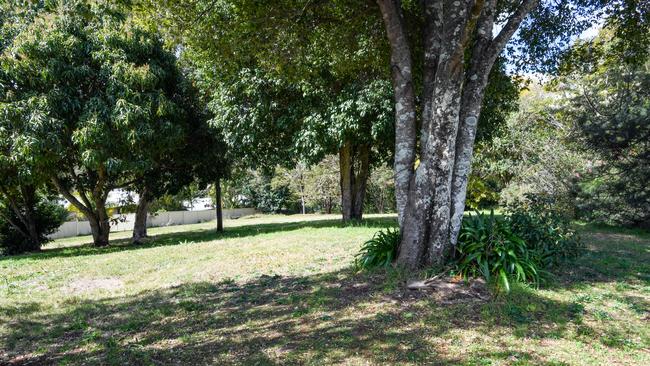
321	319
198	236
330	318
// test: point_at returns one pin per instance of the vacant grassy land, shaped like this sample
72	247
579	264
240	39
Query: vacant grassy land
280	290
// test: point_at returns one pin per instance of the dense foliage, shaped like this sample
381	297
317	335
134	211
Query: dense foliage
532	154
93	102
608	103
380	251
47	215
522	245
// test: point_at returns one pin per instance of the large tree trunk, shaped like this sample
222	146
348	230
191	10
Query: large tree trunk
100	229
405	107
141	213
354	161
459	52
218	204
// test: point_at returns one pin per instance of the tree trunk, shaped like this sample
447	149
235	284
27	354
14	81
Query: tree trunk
354	162
100	229
459	52
218	205
346	181
405	107
140	224
95	213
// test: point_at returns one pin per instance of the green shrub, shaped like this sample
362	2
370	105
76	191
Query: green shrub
545	229
378	251
48	216
488	247
522	245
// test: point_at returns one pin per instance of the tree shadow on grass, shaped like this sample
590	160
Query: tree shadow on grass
329	318
610	255
199	236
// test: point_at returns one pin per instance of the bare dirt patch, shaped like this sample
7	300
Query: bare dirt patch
85	285
452	290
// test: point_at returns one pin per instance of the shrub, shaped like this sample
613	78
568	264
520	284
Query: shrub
545	229
378	251
531	238
488	247
48	216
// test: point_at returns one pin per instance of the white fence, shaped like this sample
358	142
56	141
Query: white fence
76	228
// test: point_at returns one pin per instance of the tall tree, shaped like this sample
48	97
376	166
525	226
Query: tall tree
199	157
607	99
329	56
103	91
461	41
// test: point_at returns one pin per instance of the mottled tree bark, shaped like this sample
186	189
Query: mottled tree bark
473	93
405	117
431	201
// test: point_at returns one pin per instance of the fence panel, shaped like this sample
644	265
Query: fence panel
171	218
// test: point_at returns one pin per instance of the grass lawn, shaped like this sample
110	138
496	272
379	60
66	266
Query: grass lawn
281	290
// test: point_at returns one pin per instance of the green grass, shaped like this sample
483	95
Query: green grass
281	290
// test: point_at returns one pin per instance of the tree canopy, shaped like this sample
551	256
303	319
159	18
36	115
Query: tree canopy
95	100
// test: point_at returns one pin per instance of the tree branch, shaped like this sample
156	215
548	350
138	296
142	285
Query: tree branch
14	224
509	29
71	198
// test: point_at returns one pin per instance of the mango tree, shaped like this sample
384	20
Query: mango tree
97	93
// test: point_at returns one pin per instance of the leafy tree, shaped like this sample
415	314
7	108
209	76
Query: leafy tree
186	169
268	121
322	186
381	191
93	94
23	209
608	103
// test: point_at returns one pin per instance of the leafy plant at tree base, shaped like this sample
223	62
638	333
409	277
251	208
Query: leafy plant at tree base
545	229
488	247
380	251
522	245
